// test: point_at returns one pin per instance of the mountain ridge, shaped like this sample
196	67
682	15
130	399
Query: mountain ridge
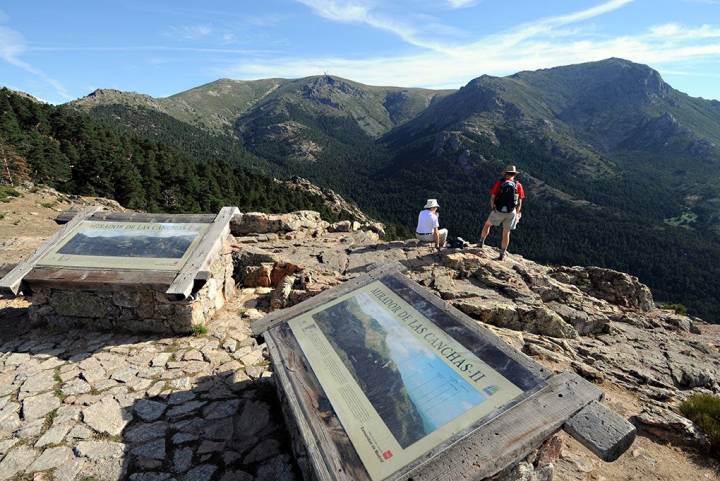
230	99
627	166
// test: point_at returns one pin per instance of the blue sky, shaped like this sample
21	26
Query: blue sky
58	51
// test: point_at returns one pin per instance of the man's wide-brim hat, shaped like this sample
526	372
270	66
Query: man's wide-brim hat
510	169
431	203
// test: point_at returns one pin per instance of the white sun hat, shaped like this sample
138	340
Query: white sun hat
431	203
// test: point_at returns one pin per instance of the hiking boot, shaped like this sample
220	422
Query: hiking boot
501	256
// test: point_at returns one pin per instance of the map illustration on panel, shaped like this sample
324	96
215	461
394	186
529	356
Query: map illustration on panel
126	245
412	389
399	384
129	243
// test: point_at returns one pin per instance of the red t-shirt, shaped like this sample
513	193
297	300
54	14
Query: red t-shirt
496	188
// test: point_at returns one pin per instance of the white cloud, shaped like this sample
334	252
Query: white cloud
359	11
544	43
444	65
546	26
677	31
188	32
665	30
12	46
462	3
341	11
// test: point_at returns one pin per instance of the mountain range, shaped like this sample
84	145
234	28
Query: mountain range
621	169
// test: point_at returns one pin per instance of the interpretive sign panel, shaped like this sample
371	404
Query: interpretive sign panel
126	245
399	384
382	379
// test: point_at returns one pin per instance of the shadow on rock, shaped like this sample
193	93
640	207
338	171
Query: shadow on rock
224	427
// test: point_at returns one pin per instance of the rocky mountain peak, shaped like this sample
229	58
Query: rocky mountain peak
647	78
23	94
101	97
115	93
331	91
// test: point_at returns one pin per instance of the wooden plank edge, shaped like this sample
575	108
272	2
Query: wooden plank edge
275	318
66	216
310	443
5	268
509	437
104	279
10	283
211	242
601	430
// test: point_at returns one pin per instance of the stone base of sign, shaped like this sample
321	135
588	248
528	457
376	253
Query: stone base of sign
135	308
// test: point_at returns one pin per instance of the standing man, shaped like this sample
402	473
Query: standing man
428	226
506	199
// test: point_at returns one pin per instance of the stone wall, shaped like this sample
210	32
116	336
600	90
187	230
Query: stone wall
135	308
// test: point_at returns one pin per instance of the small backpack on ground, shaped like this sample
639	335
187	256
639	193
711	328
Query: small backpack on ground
457	243
507	198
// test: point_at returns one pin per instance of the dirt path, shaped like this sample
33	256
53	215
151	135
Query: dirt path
27	220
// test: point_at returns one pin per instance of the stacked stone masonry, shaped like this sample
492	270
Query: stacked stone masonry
139	308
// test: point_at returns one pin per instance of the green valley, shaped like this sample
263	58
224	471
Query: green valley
621	169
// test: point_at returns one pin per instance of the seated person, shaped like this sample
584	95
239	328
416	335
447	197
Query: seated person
428	226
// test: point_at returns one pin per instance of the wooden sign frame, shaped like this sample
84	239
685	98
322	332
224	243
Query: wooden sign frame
177	284
325	451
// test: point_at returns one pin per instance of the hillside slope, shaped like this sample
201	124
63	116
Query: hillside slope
622	170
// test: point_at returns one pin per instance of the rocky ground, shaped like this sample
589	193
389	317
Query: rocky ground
82	405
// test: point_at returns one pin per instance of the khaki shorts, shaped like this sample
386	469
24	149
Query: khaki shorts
505	218
443	234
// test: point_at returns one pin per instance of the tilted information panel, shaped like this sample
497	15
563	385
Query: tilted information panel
126	245
386	377
399	383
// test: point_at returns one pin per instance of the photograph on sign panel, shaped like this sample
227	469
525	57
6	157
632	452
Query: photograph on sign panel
412	389
130	242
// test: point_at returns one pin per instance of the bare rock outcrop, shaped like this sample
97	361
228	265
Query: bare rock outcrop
598	322
613	286
261	223
337	205
522	295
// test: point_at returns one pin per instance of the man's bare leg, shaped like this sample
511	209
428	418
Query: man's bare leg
485	233
505	242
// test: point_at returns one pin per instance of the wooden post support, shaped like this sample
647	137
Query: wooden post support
210	244
10	283
602	431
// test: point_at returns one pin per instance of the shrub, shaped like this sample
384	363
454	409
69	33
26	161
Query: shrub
704	410
199	330
678	308
6	192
